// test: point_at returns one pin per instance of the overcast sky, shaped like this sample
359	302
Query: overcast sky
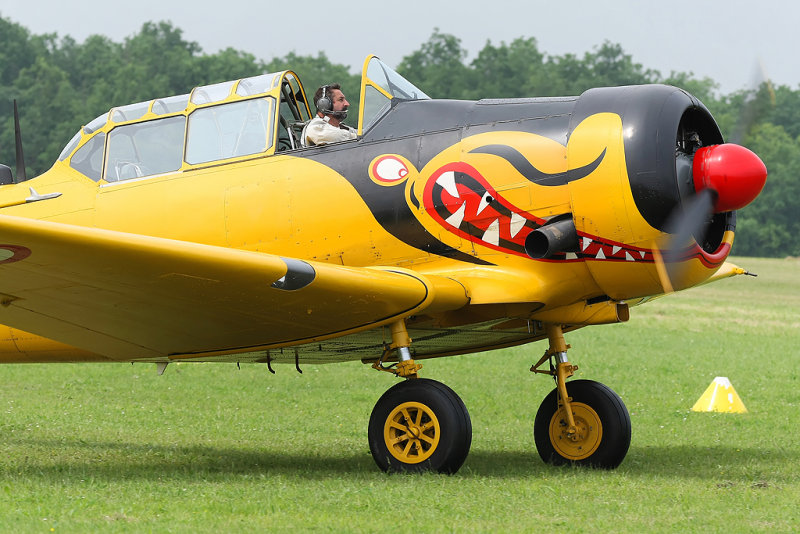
721	39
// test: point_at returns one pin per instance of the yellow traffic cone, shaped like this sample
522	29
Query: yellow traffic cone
720	397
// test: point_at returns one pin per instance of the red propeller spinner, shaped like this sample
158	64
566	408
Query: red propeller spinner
733	172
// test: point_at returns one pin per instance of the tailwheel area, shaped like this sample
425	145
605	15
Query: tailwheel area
601	430
420	425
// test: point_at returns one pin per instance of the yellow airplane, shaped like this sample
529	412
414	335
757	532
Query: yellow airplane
200	228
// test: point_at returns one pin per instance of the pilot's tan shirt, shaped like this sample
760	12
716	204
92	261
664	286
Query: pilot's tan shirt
320	132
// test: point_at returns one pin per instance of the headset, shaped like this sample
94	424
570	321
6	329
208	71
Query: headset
325	105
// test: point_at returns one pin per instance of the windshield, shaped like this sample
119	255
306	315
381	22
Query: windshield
393	83
380	84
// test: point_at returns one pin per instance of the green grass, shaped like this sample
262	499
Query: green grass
207	447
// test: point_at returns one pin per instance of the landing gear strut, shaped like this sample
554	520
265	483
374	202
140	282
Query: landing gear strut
418	424
581	422
422	425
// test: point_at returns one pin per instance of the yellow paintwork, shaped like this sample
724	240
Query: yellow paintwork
188	256
411	432
586	314
586	437
17	346
615	217
191	299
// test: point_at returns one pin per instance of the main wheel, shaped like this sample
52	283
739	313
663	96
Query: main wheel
603	427
420	425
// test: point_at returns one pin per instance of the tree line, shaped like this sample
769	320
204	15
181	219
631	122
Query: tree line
61	84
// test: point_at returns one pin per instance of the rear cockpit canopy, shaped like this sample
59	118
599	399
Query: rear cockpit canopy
214	123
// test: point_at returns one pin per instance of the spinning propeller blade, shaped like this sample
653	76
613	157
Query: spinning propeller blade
726	177
759	100
686	226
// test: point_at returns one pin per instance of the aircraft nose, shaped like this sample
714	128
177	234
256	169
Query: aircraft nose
731	171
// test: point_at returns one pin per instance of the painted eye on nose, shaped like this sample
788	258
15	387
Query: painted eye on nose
389	170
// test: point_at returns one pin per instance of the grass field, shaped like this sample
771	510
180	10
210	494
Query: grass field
207	447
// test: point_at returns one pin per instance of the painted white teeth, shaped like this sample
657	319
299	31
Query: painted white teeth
492	234
457	217
448	181
586	243
517	224
486	199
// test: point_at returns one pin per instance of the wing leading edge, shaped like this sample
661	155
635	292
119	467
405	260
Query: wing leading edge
133	297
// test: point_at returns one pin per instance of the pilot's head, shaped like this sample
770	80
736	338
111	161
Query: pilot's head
330	100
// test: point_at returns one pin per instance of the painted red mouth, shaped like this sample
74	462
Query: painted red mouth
463	202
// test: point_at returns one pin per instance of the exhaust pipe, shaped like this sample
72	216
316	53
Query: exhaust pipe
552	238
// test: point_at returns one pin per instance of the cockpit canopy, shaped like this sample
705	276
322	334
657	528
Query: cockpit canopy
224	122
380	84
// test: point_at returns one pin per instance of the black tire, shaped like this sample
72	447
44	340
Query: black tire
420	425
603	421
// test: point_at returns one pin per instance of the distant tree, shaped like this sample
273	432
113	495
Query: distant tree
48	113
92	70
607	66
770	226
516	69
785	108
705	88
228	64
438	67
508	71
155	62
18	50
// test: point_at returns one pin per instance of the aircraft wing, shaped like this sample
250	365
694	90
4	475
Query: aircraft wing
133	297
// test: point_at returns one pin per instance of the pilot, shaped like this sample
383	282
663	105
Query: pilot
327	126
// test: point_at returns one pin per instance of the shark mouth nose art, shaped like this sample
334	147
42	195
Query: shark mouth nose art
464	203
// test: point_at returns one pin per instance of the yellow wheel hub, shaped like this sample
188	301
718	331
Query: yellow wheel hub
586	438
411	432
